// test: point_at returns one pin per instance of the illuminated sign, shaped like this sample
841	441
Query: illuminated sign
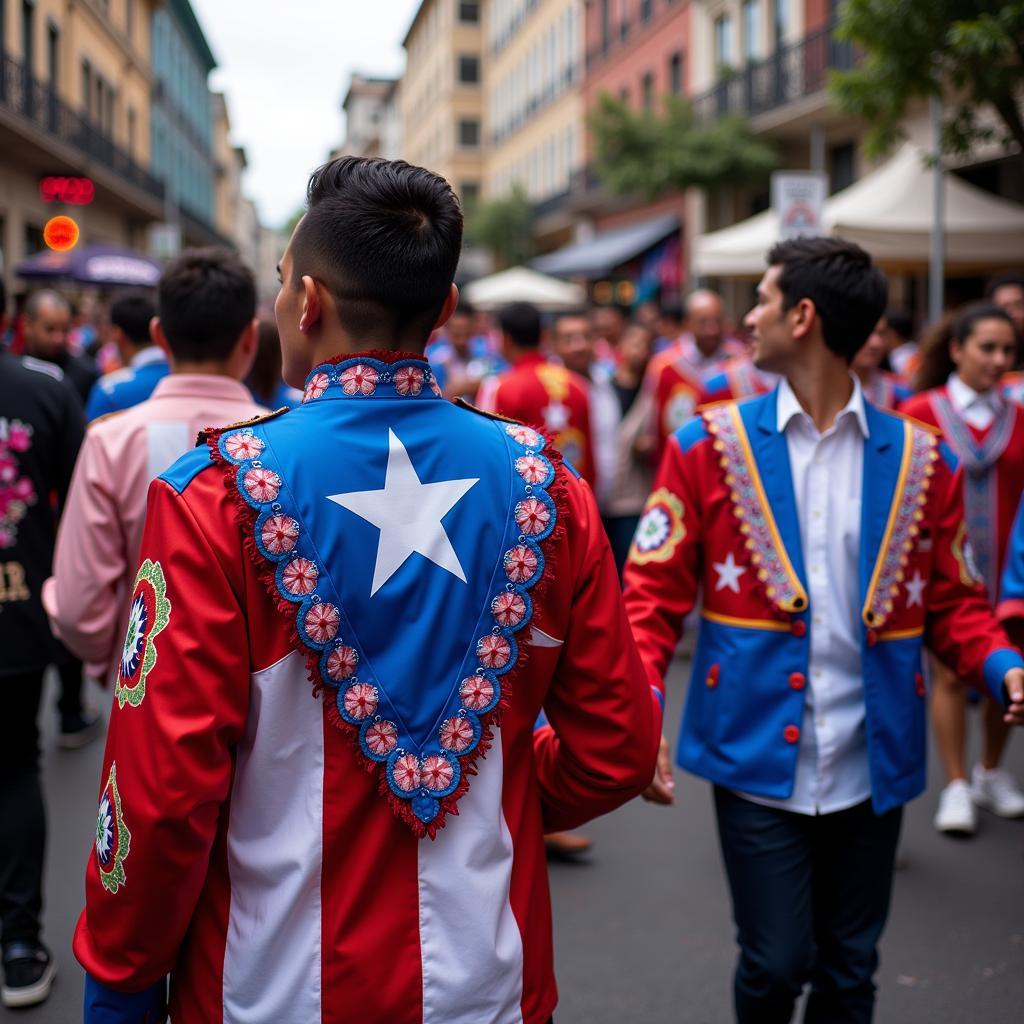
75	191
60	233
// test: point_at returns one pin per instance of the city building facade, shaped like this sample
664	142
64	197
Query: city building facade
442	94
367	106
74	124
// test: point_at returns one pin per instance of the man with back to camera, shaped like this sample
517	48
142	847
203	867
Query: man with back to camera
41	429
829	538
206	329
297	857
145	362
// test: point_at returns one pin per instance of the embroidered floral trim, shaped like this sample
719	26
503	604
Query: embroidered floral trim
422	785
150	612
364	377
660	530
113	840
750	506
920	450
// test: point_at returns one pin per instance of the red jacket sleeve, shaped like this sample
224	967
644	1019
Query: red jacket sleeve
168	764
605	721
961	627
662	582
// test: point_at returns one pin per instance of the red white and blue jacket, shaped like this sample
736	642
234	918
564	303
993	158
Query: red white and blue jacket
724	491
372	850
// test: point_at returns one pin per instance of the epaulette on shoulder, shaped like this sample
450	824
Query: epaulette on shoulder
264	417
692	432
463	404
705	406
913	420
41	366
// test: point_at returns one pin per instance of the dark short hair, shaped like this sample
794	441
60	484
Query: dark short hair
205	299
1004	281
384	237
521	322
132	313
672	311
848	291
900	321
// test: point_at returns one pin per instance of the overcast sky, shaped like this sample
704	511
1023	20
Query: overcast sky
284	66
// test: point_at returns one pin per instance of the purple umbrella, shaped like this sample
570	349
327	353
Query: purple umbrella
93	264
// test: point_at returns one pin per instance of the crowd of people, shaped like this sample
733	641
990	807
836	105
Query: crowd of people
746	474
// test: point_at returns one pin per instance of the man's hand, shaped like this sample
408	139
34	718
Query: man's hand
662	787
1014	683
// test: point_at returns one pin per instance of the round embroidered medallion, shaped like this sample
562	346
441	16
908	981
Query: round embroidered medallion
456	735
299	577
532	468
279	534
476	692
262	485
660	530
520	563
359	379
526	436
509	609
381	738
315	386
409	380
341	663
406	772
532	516
321	622
437	773
241	446
493	651
113	840
360	701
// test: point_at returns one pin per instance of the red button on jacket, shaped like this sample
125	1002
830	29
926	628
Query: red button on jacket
797	680
791	733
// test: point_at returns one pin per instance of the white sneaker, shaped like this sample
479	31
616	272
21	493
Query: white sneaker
956	814
997	791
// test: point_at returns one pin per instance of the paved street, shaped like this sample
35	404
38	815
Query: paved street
642	929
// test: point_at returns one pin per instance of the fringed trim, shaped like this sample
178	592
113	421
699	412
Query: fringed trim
530	565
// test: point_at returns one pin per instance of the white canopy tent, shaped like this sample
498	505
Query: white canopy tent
520	284
889	213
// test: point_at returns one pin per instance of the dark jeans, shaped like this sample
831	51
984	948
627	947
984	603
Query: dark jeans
620	530
23	832
810	897
69	704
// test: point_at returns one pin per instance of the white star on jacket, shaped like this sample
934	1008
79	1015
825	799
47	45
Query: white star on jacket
408	514
729	574
915	590
556	416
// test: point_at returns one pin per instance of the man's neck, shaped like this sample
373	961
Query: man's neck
203	369
822	387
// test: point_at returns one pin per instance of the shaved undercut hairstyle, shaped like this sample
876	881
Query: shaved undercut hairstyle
44	297
384	237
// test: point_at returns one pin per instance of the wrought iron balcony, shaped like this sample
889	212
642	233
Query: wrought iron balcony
38	104
791	73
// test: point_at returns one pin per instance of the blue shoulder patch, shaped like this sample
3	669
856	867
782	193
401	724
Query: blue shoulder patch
187	468
716	382
948	456
691	434
572	469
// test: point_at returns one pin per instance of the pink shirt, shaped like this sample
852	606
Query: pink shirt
100	530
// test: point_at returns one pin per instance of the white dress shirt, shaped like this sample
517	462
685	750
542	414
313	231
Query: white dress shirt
605	416
827	469
978	408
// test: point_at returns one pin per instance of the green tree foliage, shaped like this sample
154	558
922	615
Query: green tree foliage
504	227
969	51
649	154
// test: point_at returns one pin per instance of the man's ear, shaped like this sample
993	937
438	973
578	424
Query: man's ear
805	316
156	333
448	308
312	307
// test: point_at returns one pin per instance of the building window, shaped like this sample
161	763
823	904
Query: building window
131	132
469	12
28	34
33	240
469	69
675	74
469	192
624	94
87	88
646	9
751	15
723	41
647	91
780	21
53	55
129	18
469	132
841	166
